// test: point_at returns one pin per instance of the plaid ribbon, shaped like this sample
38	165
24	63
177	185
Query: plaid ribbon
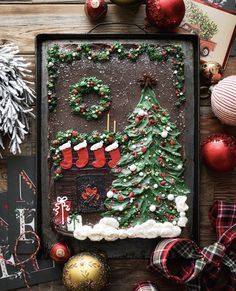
211	268
146	286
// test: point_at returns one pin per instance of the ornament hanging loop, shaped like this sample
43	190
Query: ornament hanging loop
117	23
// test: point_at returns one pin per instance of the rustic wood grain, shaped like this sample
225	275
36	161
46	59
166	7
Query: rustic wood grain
20	23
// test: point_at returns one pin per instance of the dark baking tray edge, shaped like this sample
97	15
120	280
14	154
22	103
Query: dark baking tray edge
194	39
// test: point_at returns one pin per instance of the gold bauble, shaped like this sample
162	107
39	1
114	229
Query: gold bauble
85	272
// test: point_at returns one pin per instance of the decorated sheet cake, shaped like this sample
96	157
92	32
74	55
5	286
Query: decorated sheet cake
118	162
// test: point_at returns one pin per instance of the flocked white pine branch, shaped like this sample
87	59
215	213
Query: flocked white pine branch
16	97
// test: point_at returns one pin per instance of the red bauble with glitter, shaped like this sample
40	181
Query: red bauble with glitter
60	252
95	9
165	14
219	152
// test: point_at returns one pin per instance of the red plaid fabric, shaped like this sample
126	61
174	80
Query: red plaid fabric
222	216
146	286
212	268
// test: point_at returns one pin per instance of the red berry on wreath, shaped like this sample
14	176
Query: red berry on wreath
110	139
55	158
74	133
219	152
99	113
78	49
163	143
58	171
139	186
137	120
163	113
60	252
163	53
172	142
144	149
75	91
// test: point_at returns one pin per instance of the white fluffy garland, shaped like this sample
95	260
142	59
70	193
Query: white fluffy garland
15	97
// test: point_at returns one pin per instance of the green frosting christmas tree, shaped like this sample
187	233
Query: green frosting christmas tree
150	171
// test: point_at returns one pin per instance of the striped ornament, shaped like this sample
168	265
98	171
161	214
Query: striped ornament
223	100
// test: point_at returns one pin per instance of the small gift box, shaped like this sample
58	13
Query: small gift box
61	210
74	221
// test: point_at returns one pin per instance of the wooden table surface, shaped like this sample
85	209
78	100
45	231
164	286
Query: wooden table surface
20	22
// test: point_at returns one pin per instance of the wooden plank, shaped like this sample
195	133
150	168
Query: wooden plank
30	20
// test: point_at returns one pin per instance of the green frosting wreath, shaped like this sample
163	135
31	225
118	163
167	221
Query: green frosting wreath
78	92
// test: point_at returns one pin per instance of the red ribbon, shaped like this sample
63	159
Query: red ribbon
32	258
210	268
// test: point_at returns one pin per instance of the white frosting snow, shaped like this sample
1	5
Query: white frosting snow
97	146
81	145
65	145
112	146
181	204
108	228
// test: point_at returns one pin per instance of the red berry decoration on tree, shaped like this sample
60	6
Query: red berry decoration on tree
218	152
60	252
165	14
95	9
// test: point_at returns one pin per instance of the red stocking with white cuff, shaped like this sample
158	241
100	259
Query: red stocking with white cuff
82	152
114	153
66	150
99	154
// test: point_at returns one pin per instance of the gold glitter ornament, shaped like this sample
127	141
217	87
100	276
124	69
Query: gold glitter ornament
85	272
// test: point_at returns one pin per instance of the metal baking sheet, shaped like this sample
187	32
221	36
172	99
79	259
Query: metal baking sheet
189	120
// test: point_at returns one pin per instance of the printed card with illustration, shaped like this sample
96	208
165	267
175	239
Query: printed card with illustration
215	25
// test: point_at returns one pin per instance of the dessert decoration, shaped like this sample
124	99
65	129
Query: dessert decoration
85	271
61	210
60	252
84	86
118	186
165	14
149	173
219	152
95	9
223	100
16	97
58	55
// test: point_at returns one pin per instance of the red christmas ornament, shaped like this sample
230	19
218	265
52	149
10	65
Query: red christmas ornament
165	14
219	152
95	9
60	252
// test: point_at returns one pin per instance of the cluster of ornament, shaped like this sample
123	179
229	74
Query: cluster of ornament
58	55
65	143
85	86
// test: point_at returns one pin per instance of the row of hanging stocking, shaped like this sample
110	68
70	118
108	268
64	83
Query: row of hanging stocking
83	154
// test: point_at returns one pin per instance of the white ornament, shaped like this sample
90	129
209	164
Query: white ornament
110	194
170	197
141	174
132	168
182	214
179	167
134	146
174	222
121	208
141	112
152	208
164	134
168	128
155	186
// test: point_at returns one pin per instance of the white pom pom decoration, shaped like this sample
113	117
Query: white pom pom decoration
223	100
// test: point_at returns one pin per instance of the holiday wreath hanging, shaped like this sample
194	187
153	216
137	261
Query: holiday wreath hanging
87	85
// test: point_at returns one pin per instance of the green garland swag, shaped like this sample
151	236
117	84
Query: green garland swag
75	137
84	86
58	55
